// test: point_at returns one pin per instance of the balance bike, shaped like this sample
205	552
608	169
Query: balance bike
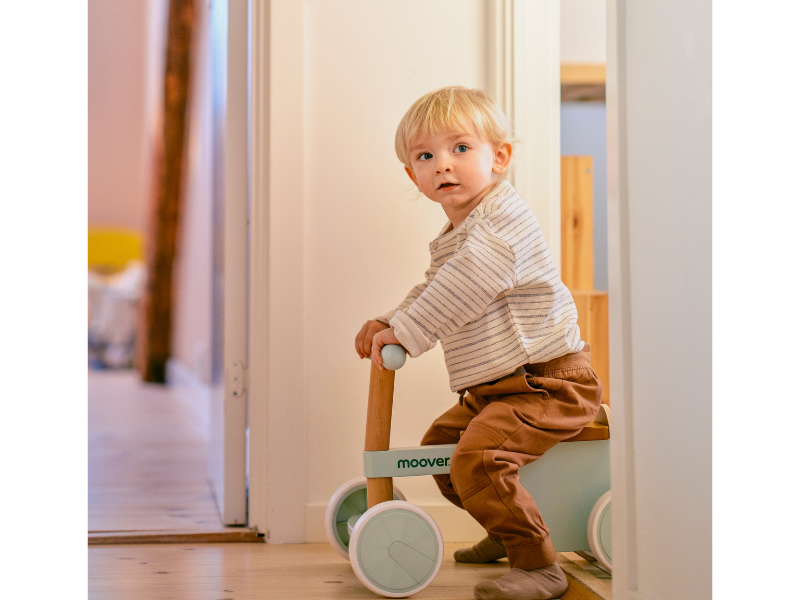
395	547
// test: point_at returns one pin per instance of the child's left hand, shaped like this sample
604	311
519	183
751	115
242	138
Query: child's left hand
382	338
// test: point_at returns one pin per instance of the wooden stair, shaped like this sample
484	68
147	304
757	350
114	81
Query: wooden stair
587	580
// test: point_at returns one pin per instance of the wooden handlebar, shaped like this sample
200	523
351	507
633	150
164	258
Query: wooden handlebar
379	427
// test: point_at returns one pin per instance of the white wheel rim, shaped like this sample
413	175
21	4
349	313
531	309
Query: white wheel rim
360	528
600	512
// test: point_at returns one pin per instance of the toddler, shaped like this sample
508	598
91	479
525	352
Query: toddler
508	326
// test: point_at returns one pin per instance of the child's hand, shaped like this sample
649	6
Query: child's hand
364	337
382	338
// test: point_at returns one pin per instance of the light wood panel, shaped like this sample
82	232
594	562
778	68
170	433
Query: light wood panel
147	459
577	260
263	571
577	223
583	73
592	308
583	82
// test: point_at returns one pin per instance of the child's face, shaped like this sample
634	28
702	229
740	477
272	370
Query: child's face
456	169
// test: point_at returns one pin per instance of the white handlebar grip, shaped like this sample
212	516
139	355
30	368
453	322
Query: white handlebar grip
393	356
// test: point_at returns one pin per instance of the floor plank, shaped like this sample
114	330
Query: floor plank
243	571
230	535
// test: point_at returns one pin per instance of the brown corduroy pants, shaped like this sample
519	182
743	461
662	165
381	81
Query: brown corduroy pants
502	425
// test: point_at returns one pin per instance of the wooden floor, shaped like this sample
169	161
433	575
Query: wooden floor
147	460
147	483
240	571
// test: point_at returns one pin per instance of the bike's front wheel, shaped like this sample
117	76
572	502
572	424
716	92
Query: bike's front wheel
396	549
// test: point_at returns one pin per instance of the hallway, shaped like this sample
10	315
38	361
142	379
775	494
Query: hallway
147	461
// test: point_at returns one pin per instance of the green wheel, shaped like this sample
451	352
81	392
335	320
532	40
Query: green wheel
396	549
599	530
348	503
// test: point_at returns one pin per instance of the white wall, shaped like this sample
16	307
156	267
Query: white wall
583	31
348	234
659	131
358	194
367	228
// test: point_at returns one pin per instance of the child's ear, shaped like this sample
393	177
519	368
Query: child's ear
410	173
502	157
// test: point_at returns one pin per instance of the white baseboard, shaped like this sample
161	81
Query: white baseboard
194	393
455	524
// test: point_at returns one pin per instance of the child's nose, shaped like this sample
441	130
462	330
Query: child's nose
444	167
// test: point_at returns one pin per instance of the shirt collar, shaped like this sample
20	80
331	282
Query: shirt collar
498	189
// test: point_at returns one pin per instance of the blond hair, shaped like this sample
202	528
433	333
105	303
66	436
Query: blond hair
453	108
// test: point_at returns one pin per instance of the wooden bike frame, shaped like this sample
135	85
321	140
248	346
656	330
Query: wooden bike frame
379	427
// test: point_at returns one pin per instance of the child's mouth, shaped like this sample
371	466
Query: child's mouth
447	186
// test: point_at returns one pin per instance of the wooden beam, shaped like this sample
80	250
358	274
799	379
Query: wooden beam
583	93
155	324
577	223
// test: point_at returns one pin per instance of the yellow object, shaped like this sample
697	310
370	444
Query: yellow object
112	248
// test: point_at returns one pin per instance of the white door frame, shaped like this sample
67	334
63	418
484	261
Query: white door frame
525	78
227	444
277	293
525	41
659	221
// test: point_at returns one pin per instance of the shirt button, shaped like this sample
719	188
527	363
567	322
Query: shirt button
434	245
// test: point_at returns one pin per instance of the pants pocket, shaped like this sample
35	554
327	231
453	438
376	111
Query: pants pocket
572	402
551	385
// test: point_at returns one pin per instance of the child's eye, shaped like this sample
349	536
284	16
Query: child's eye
425	156
461	148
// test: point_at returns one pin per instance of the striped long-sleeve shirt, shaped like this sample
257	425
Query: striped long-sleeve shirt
492	296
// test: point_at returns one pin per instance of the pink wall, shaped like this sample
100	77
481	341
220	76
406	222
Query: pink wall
117	112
